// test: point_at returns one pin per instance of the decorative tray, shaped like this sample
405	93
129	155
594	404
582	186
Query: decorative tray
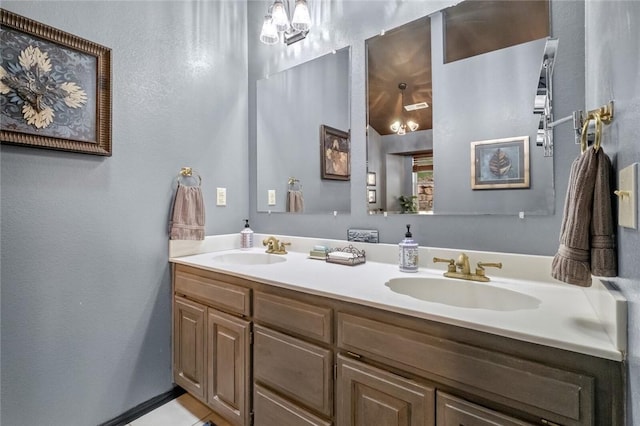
349	255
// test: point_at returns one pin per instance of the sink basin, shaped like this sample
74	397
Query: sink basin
249	258
463	294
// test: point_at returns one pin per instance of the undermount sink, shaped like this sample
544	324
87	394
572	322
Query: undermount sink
249	258
463	294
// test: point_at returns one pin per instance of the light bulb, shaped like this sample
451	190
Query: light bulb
413	126
395	126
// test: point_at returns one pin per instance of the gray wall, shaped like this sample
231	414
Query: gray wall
613	72
85	279
486	97
353	22
292	105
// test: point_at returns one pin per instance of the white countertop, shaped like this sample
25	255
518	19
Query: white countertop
564	318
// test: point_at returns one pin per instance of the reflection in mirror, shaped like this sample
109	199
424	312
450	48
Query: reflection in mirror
480	85
293	106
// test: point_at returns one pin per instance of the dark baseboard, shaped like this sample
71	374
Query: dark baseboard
142	409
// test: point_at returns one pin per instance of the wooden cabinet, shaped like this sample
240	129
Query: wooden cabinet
559	396
296	369
369	396
228	369
270	410
453	411
291	363
189	345
317	361
211	348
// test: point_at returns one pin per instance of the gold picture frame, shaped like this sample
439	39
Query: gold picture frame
500	163
69	106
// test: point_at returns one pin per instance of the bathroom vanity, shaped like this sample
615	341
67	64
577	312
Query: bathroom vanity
304	342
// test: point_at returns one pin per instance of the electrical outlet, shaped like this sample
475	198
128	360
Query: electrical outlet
271	197
221	196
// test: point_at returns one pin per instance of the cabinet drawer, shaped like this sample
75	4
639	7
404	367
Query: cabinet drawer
298	317
269	410
452	411
559	396
213	292
298	370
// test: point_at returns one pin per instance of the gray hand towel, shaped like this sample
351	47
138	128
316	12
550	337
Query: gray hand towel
295	201
586	239
187	216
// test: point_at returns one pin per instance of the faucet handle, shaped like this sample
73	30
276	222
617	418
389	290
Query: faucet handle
482	265
282	248
451	267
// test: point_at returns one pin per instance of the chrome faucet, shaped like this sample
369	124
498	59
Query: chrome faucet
461	269
274	246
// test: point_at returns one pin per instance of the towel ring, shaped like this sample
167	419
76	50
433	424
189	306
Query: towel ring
585	127
187	172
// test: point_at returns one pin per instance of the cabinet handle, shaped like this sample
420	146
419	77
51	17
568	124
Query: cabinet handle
354	355
548	423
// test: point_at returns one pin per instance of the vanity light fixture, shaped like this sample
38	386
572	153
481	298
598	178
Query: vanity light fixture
401	126
277	27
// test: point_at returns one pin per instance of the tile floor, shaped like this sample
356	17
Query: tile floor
182	411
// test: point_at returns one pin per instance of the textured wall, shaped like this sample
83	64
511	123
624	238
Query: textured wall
350	23
85	279
613	72
294	104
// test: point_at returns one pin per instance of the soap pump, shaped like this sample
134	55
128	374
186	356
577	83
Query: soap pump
408	253
246	236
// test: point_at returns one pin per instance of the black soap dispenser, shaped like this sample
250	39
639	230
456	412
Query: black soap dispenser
408	253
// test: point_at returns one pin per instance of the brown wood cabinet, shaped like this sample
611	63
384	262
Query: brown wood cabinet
228	368
189	345
318	361
211	348
270	409
369	396
454	411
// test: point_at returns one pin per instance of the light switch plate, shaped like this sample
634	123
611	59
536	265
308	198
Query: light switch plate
627	204
221	196
271	197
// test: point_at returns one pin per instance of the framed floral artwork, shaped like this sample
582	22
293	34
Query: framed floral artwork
335	154
55	88
500	163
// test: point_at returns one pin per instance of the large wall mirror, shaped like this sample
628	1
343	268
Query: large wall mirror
451	128
303	144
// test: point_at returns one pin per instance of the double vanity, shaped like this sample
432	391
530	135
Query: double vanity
270	339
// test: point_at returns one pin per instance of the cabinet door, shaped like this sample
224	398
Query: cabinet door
369	396
228	366
189	345
457	412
